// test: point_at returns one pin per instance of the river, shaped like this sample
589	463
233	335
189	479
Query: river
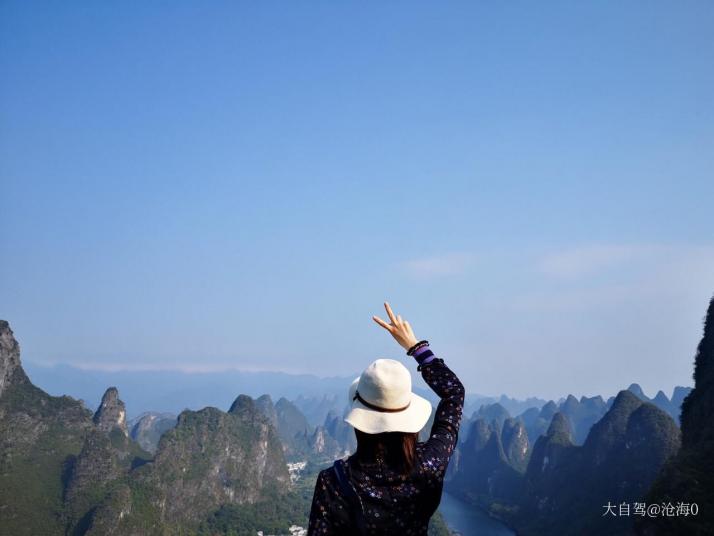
468	520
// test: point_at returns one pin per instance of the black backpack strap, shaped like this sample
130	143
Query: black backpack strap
350	493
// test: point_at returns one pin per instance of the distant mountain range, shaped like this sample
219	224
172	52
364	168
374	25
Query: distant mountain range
174	391
549	483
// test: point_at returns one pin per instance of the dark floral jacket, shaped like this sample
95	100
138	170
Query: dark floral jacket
394	503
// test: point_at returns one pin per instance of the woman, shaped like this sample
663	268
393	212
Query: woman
392	484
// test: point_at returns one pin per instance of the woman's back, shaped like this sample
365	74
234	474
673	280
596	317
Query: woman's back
385	500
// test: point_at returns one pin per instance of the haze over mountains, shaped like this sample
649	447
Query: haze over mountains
173	391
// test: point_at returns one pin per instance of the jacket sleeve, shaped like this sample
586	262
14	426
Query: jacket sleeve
447	419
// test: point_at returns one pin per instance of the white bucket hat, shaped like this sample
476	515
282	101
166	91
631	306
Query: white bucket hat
382	400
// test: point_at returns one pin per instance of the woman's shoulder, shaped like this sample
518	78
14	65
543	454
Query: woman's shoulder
328	486
328	476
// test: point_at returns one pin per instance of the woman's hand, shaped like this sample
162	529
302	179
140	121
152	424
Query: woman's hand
398	328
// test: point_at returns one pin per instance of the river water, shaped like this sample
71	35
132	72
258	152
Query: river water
468	520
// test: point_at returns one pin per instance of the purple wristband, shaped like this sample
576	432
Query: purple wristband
420	351
423	355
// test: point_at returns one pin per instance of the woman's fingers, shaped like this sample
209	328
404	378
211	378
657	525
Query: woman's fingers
390	313
398	328
382	323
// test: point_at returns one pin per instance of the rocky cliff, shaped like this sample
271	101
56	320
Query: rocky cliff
57	463
582	414
265	405
672	406
147	429
111	413
40	435
11	372
492	413
331	440
482	470
515	443
537	421
107	458
551	451
689	478
344	434
209	460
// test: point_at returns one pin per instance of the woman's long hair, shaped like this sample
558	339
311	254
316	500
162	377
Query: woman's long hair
397	449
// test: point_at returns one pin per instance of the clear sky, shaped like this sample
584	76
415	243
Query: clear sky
203	185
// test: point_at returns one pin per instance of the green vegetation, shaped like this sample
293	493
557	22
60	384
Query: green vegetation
437	526
39	437
271	516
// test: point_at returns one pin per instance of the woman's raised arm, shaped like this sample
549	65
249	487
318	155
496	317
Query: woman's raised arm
447	386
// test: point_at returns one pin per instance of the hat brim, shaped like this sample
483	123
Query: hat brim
410	420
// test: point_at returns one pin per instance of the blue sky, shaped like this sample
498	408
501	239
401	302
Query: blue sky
202	185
